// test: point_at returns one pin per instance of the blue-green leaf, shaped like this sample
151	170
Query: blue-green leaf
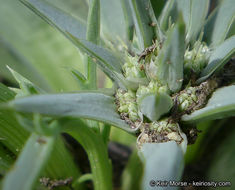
184	6
143	21
220	105
169	12
93	23
163	162
30	163
171	57
113	21
219	23
219	58
89	105
92	35
198	13
129	22
153	105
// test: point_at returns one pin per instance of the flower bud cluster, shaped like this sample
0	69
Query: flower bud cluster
196	59
151	60
187	98
153	87
132	68
160	131
127	104
171	130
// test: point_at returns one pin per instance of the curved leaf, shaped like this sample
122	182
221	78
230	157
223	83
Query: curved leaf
220	105
153	106
140	12
219	23
76	32
163	162
171	57
89	105
132	174
96	150
29	164
219	58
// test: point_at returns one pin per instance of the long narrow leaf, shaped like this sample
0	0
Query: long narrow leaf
70	27
220	105
96	150
143	21
29	164
219	23
171	57
113	21
92	35
128	20
89	105
219	58
184	6
169	11
199	9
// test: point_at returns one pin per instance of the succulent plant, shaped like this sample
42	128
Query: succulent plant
170	69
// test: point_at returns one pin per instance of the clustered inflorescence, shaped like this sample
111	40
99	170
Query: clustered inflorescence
145	68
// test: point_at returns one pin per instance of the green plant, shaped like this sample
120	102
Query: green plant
170	69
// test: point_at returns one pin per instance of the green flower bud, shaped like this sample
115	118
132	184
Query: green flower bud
187	98
127	104
153	87
196	59
160	131
174	136
132	68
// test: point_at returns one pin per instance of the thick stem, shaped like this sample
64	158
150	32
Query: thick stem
92	35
